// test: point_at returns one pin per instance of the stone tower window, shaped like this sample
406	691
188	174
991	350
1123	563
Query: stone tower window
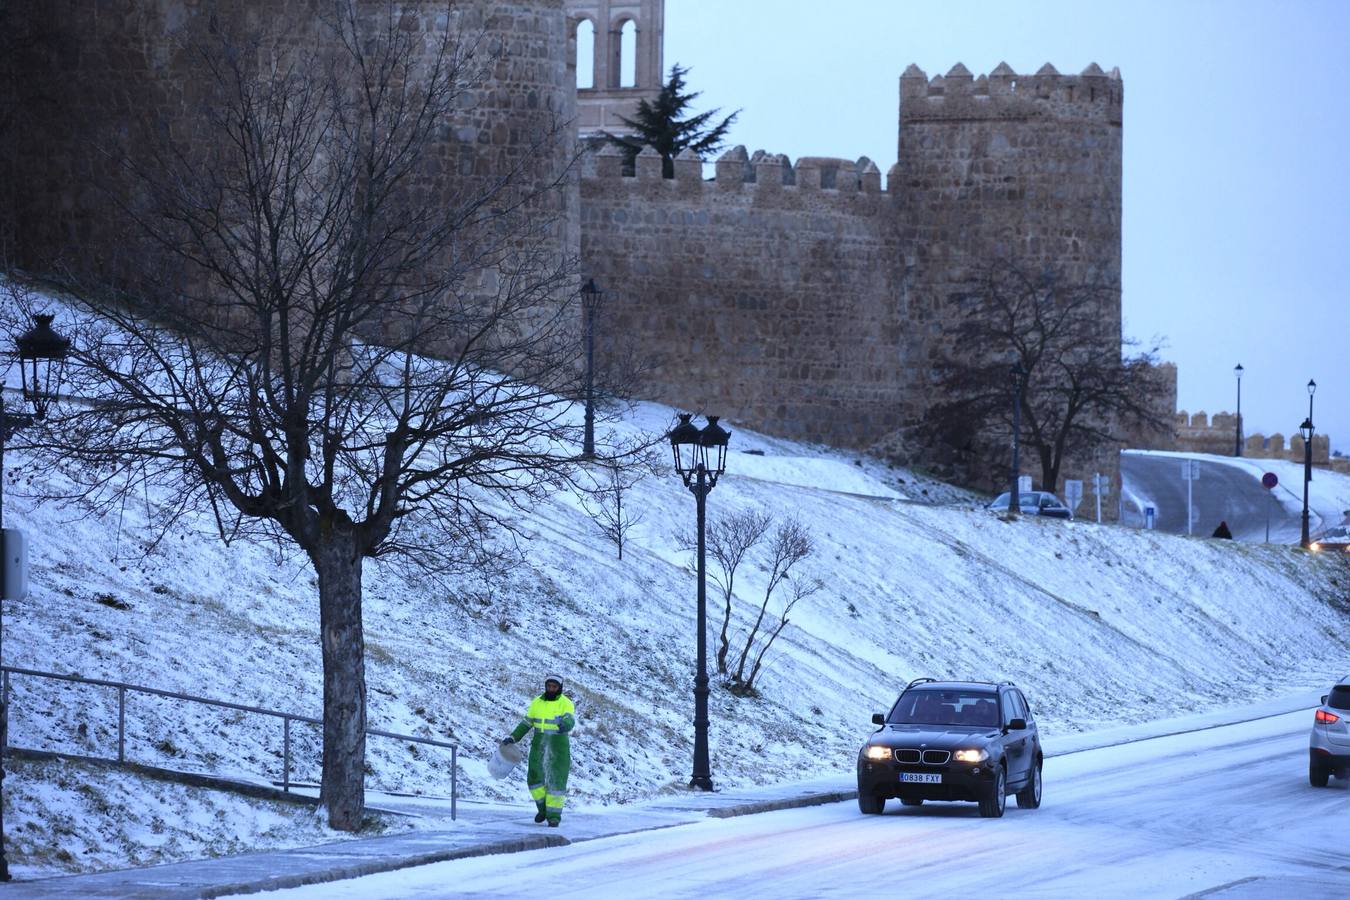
584	44
625	54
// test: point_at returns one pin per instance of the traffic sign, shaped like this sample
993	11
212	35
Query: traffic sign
1190	469
1073	493
1269	480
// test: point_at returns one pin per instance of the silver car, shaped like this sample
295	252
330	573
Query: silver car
1329	746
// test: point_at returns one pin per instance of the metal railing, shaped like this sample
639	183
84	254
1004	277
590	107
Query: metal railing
123	688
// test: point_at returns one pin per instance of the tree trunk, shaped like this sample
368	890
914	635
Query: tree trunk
338	563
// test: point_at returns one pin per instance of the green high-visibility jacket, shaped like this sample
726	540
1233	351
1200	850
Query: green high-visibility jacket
547	717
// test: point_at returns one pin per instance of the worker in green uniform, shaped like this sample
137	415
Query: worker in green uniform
552	716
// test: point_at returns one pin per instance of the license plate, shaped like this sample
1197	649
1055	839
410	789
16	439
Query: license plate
920	778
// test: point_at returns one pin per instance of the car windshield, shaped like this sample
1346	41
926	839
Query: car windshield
1024	498
945	707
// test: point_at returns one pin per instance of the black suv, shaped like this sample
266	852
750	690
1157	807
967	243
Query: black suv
953	740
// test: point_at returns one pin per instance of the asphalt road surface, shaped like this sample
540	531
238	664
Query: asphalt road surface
1223	812
1221	494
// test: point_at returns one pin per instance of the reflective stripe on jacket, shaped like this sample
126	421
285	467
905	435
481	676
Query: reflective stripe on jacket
548	716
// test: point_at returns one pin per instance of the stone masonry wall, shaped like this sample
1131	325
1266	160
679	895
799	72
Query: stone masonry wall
90	81
1022	168
764	294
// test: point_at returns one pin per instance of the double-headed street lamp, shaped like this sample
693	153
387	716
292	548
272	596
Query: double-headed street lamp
590	301
700	457
1237	446
1019	379
41	352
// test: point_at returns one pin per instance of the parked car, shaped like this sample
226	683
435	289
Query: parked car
1329	745
953	740
1336	539
1035	503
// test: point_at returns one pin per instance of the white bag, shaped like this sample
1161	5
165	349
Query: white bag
505	759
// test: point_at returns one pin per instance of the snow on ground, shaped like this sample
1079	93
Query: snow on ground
1100	625
66	817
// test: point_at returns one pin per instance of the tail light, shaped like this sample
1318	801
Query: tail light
1326	718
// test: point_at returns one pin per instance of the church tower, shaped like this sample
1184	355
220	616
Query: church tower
615	48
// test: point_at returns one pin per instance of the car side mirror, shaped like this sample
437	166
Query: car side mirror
1324	699
879	719
1017	725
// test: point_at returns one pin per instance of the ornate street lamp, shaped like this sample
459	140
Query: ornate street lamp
1237	446
1019	379
1312	389
700	457
41	353
1306	430
590	301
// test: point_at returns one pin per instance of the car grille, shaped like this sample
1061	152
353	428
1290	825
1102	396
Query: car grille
927	757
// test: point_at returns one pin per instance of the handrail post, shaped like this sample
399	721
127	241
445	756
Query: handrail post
4	711
121	724
286	755
454	779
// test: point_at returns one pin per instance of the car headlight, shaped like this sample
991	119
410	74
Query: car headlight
971	756
874	752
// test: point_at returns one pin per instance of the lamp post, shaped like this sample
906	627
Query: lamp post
39	349
590	300
1237	446
1312	389
1306	430
1019	377
700	457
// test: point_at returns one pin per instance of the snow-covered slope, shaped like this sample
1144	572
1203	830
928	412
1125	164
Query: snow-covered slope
1100	625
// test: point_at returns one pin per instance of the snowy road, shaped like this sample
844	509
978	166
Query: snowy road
1225	812
1222	493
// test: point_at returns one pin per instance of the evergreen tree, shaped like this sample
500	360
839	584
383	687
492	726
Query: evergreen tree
661	125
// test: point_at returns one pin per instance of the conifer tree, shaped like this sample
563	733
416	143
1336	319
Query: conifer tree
662	125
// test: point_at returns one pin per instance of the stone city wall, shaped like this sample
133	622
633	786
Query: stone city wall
93	84
1200	433
763	295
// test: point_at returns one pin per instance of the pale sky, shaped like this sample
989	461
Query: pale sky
1236	191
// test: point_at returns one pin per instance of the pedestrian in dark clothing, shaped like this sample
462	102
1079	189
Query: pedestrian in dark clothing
1223	532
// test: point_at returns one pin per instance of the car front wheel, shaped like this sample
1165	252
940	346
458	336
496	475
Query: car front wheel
870	804
1318	773
1029	797
995	800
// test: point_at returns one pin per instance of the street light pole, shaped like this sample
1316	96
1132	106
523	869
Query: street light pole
1312	389
1019	379
39	348
1237	447
700	457
1306	430
590	299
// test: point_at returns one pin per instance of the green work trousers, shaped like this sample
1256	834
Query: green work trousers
550	761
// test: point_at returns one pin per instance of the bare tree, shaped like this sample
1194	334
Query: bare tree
606	502
1083	384
798	590
791	543
728	540
277	377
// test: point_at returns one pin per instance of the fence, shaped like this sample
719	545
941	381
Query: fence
123	689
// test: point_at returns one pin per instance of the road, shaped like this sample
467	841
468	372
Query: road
1221	493
1223	812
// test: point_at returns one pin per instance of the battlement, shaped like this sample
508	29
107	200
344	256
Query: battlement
738	170
1003	93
